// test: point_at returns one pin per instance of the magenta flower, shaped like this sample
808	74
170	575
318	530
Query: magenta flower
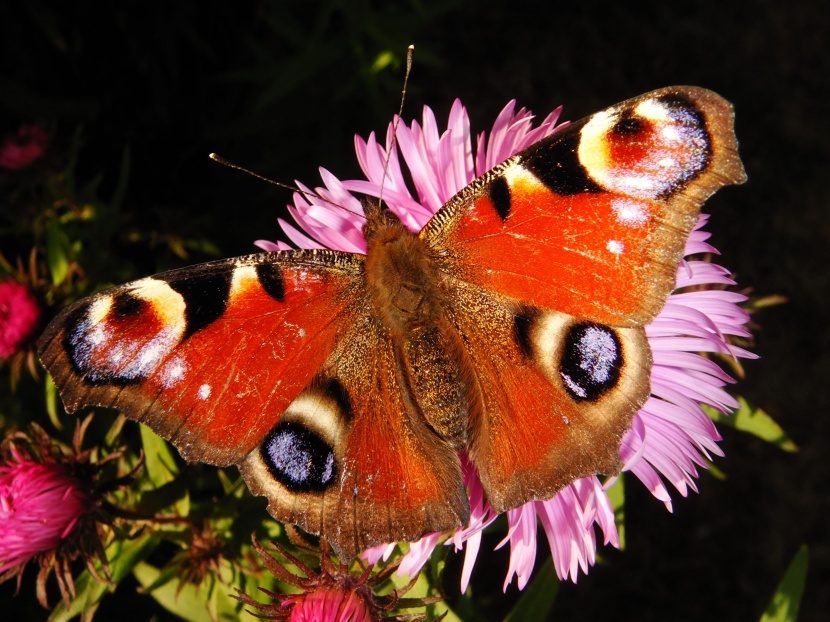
333	594
328	603
20	150
53	508
40	505
671	435
19	315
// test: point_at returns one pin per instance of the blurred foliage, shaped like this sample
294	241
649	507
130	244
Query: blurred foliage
787	598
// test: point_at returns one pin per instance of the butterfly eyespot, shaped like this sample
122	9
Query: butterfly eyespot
591	361
123	338
650	151
299	458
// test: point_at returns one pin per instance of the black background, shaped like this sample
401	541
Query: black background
282	87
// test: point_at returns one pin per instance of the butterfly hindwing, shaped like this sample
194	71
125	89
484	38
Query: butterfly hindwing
558	393
350	459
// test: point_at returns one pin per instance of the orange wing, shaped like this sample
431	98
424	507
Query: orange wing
383	475
592	221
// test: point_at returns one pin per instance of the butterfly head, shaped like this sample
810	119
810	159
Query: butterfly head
381	222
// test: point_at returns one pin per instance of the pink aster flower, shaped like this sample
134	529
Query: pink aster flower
24	148
19	315
671	435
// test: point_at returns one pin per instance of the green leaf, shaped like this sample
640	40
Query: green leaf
162	471
756	422
715	472
382	61
186	601
787	598
123	555
159	463
52	402
538	598
174	494
57	251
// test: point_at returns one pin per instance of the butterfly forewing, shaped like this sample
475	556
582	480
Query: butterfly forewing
592	221
207	356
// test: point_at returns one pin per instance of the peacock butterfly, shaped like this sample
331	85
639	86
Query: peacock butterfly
511	328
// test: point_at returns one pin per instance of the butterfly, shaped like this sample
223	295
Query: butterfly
510	330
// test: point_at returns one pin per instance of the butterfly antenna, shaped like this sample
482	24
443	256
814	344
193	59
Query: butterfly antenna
409	53
306	194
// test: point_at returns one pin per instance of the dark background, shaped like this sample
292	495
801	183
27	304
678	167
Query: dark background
282	87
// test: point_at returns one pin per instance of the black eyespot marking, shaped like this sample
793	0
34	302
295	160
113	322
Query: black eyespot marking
271	279
591	361
677	102
629	125
523	320
298	458
126	305
499	193
334	389
555	162
205	294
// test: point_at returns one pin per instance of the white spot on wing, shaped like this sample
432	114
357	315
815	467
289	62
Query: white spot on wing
204	391
573	386
630	212
173	372
670	134
615	246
